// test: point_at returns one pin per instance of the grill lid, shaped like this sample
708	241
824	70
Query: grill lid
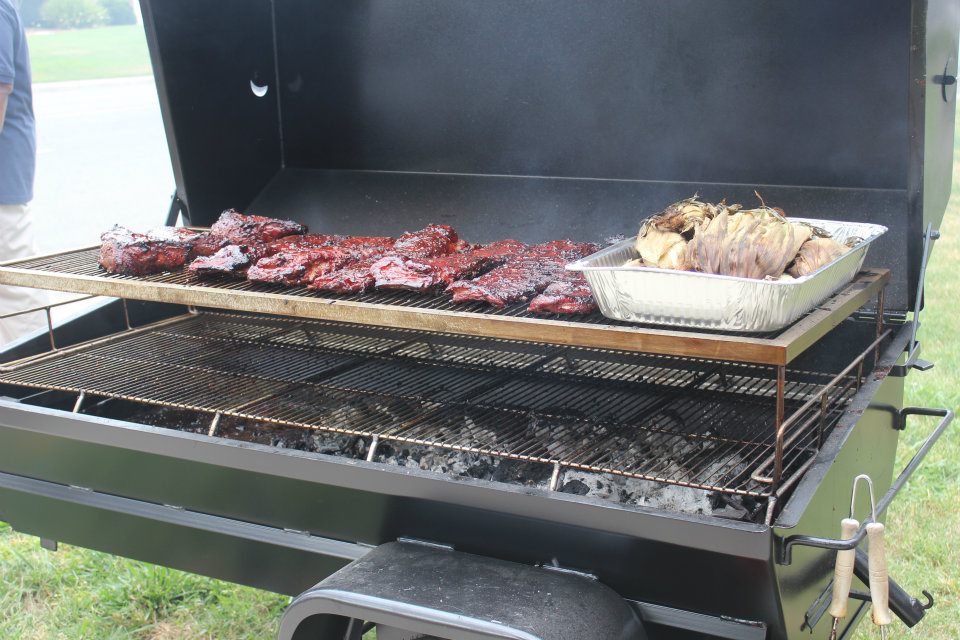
535	120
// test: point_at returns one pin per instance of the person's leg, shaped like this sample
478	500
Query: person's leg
17	241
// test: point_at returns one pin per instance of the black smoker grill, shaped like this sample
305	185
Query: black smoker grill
457	472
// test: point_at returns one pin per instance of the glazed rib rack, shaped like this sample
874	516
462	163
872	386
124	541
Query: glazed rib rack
77	271
685	421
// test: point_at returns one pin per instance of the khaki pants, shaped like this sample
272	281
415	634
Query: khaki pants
16	241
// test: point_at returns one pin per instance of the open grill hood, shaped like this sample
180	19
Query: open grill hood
538	119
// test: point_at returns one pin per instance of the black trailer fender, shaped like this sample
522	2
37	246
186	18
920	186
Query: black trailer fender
408	589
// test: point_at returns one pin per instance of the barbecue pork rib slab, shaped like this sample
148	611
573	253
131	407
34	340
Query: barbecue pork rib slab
428	274
432	240
243	229
208	244
302	262
525	275
297	243
297	267
356	277
232	261
138	254
569	295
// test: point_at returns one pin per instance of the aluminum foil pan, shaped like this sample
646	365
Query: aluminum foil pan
704	301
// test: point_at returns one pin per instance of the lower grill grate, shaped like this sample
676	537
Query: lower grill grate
687	422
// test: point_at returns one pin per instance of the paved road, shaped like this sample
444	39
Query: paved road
101	158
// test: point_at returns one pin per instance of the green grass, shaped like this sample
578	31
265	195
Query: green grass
76	593
88	54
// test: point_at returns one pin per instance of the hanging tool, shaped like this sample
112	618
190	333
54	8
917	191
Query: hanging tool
843	575
843	571
879	582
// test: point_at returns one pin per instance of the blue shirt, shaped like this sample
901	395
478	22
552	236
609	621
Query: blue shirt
18	144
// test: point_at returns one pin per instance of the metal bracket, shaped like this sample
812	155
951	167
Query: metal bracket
177	207
913	349
946	79
785	548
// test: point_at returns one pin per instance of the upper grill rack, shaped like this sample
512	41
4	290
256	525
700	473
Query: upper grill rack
77	271
683	421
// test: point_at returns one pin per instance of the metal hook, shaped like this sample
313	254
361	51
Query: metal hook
929	598
853	496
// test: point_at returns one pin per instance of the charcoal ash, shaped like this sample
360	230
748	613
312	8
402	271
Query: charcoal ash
465	464
314	441
471	429
644	493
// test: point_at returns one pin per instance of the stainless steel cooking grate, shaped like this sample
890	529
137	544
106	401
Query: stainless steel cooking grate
77	271
695	423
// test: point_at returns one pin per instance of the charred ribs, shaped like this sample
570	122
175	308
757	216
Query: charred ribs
238	228
523	276
433	240
302	263
427	274
138	254
570	295
232	261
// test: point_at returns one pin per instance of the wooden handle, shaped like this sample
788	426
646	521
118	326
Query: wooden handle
843	572
879	580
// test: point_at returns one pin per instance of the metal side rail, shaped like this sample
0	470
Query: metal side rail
908	609
785	555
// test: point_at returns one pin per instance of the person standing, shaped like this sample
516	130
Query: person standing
17	164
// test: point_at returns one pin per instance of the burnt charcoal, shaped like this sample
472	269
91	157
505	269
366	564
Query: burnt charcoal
522	472
576	487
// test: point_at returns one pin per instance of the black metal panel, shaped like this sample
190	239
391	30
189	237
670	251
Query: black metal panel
373	504
230	550
484	208
687	93
869	447
810	93
224	140
939	90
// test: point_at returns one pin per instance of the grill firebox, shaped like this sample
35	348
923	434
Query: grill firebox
690	422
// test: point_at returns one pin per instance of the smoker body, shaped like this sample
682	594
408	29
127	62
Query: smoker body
281	520
531	120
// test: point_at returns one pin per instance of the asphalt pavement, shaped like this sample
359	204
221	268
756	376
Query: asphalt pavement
101	159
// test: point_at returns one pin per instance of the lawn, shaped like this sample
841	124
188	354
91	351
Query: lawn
88	54
76	593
